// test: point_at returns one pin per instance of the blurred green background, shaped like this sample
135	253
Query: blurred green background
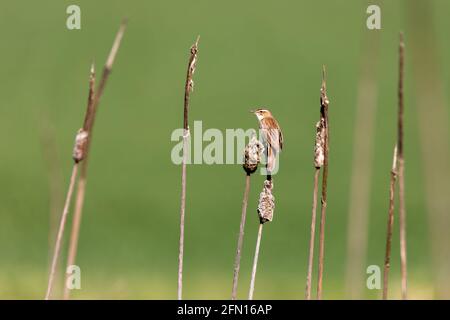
252	53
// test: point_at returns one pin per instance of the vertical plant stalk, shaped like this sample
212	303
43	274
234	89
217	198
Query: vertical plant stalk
76	222
81	186
78	154
237	260
266	207
187	91
401	168
390	225
252	158
319	158
313	234
255	263
324	102
59	237
93	102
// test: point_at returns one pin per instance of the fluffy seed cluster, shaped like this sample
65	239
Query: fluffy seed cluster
319	148
252	155
79	148
266	204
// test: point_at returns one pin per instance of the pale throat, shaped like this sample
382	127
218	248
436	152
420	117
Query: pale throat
259	116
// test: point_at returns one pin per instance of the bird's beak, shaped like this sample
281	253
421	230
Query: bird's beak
252	111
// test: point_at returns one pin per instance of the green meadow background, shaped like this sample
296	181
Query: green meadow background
252	53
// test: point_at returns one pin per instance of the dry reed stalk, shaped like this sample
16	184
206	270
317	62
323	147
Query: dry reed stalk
265	210
237	260
92	106
390	225
90	114
59	237
313	234
252	157
255	263
401	168
324	102
78	155
189	86
319	157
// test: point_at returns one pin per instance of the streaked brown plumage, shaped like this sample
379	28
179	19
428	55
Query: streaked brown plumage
272	136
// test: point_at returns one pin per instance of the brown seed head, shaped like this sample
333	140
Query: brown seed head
266	204
252	155
79	149
319	148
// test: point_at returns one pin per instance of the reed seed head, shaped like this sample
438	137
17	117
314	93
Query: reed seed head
266	204
79	149
252	155
319	148
192	65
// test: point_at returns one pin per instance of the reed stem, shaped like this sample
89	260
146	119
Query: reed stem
255	263
237	260
313	235
390	225
401	168
189	86
76	222
62	225
89	121
324	102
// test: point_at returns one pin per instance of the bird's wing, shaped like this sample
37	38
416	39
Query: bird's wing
274	135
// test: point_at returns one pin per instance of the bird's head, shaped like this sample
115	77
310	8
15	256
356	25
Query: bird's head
261	113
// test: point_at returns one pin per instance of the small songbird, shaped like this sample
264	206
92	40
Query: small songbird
272	136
